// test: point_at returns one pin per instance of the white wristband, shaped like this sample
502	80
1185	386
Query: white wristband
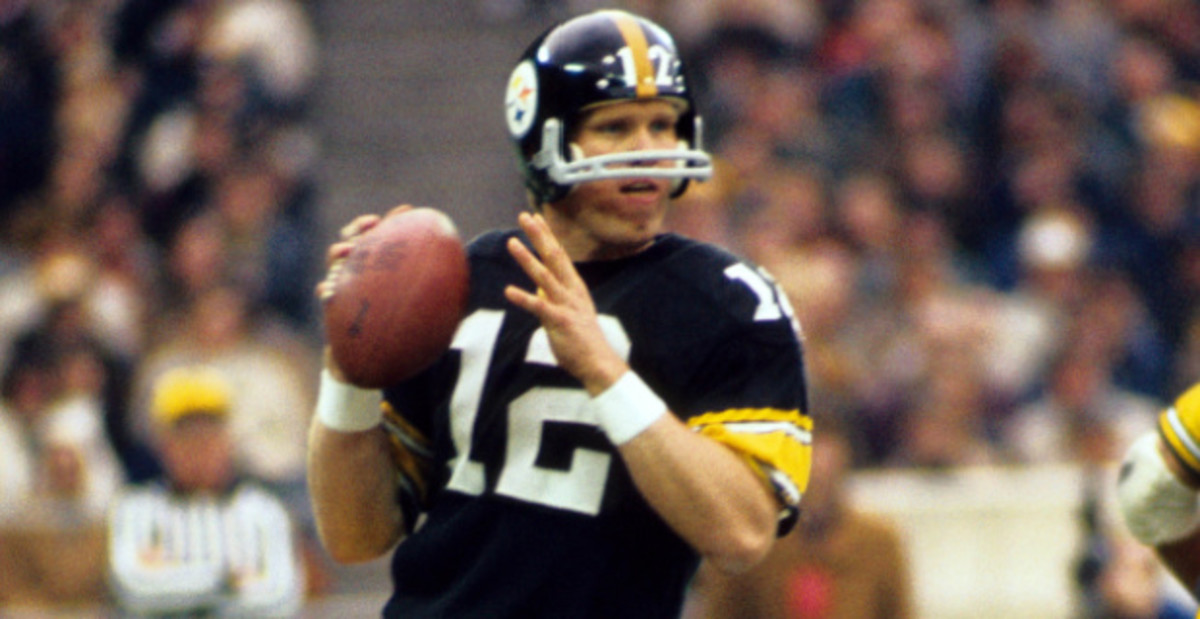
627	408
1158	508
347	408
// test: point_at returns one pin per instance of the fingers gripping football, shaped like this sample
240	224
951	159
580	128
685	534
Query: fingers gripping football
335	256
394	294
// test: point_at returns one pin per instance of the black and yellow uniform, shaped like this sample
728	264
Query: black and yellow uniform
530	511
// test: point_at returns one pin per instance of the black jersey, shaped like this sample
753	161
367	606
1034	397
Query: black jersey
532	512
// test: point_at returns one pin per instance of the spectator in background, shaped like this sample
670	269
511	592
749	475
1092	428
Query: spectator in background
57	477
1031	319
26	391
1156	236
790	213
946	426
821	285
265	365
88	198
1188	361
68	324
203	539
54	397
868	214
922	316
839	563
1081	416
29	92
122	296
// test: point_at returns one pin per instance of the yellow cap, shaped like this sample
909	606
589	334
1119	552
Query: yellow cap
1172	120
185	391
1180	427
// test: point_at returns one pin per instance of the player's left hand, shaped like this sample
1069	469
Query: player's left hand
564	306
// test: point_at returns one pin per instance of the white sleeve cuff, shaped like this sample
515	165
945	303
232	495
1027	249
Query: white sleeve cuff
347	408
627	408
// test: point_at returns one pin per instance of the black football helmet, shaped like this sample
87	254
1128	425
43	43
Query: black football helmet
602	57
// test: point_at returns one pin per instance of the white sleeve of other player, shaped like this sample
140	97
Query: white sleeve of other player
266	574
164	557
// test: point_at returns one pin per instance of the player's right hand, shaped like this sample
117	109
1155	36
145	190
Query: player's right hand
335	260
1179	428
335	256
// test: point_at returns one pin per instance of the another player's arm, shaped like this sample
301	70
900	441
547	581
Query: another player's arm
1159	489
705	491
1181	556
1182	559
350	477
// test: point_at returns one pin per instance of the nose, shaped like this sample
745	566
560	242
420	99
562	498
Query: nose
644	137
641	138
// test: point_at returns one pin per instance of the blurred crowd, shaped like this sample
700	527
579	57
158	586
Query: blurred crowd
987	216
986	213
157	208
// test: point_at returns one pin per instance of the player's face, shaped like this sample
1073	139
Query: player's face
610	218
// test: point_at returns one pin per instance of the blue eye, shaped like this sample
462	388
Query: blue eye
614	127
662	125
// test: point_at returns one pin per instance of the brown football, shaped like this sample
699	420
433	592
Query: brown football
398	298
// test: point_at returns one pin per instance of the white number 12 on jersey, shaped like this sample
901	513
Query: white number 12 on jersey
580	488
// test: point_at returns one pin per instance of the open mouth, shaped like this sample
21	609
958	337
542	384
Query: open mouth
641	186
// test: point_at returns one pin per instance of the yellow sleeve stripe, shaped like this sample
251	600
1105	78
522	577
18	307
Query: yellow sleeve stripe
794	417
409	449
1179	426
1187	411
1173	430
776	443
390	415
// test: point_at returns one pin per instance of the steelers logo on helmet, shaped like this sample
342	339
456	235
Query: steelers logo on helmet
520	103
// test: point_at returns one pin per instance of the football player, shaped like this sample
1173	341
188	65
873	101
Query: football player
1158	488
618	403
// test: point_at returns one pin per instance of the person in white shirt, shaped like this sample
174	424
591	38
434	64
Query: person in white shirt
202	541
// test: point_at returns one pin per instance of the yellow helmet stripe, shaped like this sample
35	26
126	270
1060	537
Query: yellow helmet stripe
636	40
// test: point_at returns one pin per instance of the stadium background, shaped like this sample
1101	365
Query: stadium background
983	208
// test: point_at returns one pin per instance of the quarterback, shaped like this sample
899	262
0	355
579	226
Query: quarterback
619	402
1159	489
